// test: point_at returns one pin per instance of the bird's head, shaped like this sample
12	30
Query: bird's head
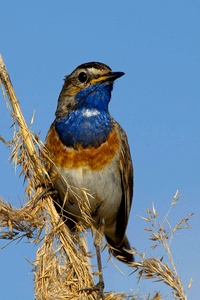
89	86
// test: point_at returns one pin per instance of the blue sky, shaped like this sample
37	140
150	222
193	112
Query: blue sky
157	45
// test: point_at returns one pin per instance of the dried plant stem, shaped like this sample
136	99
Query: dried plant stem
18	116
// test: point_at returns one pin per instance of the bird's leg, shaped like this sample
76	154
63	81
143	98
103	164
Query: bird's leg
98	244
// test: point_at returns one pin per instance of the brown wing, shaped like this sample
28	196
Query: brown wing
126	171
118	240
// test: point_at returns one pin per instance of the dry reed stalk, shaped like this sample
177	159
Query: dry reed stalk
17	115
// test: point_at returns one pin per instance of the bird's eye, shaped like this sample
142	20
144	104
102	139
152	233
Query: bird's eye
82	77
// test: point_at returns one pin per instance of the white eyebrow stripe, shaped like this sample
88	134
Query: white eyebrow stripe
90	112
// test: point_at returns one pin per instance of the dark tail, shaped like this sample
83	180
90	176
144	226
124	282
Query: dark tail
122	252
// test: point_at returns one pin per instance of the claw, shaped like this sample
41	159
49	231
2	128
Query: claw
98	287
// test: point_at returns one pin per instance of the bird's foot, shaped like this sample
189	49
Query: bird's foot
99	287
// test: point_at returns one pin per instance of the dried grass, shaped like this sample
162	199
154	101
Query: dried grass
155	268
62	265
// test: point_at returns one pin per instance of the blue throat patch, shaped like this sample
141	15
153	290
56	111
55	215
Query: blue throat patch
90	123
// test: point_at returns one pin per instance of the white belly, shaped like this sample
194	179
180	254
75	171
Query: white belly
104	187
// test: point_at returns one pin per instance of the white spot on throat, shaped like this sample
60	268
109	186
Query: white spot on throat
90	112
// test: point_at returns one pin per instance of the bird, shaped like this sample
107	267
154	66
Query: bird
90	151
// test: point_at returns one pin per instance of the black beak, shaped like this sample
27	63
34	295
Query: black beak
111	76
